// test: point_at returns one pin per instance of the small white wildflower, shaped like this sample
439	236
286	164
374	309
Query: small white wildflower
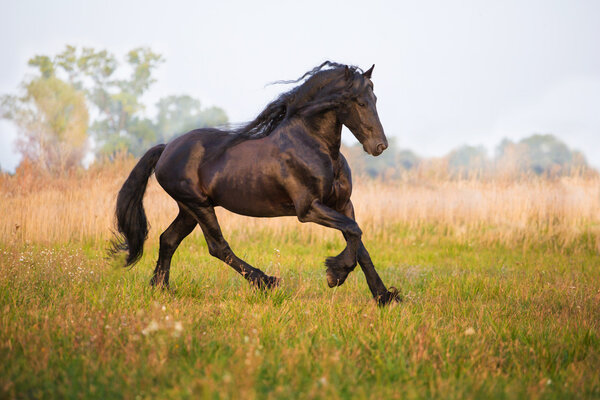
152	327
177	329
469	331
164	308
323	381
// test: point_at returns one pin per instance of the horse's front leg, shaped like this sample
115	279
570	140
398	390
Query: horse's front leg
340	266
380	293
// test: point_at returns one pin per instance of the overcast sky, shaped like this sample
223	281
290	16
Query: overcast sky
447	72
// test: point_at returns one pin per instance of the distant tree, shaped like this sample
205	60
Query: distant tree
52	119
467	159
116	102
114	96
546	151
407	159
540	154
119	124
388	164
364	164
179	114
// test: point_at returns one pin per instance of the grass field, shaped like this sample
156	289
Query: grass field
501	287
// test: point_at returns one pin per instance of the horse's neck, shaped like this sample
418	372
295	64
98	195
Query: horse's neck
327	130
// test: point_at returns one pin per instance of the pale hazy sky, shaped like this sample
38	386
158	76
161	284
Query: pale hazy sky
447	72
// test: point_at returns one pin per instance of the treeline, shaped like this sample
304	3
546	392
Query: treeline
84	99
536	155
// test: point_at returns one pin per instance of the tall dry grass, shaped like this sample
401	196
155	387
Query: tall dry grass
36	207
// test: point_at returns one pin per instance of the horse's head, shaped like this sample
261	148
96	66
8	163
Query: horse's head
359	114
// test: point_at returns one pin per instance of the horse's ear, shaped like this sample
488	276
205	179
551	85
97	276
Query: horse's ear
347	73
369	72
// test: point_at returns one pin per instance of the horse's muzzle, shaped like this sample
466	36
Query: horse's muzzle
375	147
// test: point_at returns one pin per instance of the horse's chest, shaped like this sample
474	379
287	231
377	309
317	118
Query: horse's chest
338	195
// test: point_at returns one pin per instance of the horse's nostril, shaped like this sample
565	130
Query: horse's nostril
381	147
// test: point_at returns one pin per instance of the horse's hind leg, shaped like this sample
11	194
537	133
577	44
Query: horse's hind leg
219	248
170	239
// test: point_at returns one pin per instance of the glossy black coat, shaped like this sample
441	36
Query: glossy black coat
287	162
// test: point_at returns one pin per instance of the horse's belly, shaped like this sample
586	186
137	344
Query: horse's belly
271	210
252	196
254	204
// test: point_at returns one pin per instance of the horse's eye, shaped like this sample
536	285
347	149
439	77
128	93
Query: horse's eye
361	104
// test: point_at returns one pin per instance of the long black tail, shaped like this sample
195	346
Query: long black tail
131	217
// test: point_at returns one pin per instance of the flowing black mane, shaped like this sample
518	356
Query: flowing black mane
323	87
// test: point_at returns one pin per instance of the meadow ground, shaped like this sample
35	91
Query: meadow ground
501	287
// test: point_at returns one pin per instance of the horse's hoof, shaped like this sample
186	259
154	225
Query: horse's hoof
393	295
154	282
332	280
272	282
267	282
336	275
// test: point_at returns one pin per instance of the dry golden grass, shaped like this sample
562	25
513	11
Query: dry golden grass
39	208
46	209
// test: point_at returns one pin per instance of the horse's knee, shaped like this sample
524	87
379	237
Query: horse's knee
354	230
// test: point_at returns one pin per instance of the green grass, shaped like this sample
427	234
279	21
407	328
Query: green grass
476	322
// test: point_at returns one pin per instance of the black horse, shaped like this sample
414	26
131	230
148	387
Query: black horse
287	162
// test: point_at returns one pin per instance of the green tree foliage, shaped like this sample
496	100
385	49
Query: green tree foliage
52	119
119	124
114	92
407	159
468	159
540	154
536	154
179	114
